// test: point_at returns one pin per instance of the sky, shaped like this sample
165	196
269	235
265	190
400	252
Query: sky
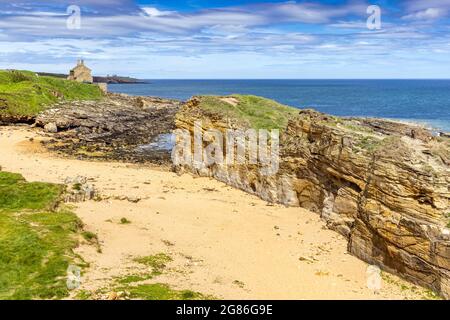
218	39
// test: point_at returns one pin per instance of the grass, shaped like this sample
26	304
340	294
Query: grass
160	291
92	239
425	294
257	112
154	291
17	194
157	262
36	241
133	278
124	221
83	295
368	143
89	236
25	94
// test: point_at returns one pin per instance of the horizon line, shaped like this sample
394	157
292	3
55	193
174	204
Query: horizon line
309	79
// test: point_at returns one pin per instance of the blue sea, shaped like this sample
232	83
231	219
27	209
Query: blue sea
420	101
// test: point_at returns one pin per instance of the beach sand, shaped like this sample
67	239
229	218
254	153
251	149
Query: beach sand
223	242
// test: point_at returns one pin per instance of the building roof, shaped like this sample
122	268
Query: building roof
80	65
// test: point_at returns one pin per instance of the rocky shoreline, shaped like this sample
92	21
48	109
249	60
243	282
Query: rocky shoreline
111	129
383	185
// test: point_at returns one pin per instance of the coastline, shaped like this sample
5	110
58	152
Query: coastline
287	253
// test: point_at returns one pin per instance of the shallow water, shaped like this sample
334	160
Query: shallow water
163	142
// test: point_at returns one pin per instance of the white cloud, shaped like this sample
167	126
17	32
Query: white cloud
427	14
154	12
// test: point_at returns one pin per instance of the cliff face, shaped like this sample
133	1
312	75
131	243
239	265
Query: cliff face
383	185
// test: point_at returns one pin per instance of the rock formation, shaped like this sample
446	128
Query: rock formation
383	185
112	128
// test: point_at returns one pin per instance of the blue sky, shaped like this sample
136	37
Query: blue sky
230	39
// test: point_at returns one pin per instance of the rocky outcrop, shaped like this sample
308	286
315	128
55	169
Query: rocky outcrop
112	128
385	186
78	189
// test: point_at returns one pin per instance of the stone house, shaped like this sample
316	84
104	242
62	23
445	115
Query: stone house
81	73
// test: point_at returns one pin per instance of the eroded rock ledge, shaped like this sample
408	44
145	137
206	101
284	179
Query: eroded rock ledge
111	129
383	185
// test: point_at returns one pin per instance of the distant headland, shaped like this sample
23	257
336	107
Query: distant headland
110	79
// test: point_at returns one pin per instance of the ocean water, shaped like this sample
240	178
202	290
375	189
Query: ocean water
420	101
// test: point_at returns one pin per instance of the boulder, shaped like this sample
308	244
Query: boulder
51	127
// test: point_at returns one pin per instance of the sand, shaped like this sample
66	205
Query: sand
224	242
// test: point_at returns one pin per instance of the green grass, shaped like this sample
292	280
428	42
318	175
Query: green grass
154	291
157	262
36	241
257	112
24	94
89	236
124	221
83	295
17	194
134	278
368	143
159	291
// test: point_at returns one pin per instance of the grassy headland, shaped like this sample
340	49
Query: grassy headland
24	94
258	112
36	240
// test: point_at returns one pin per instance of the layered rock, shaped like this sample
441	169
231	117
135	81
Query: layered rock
112	128
383	185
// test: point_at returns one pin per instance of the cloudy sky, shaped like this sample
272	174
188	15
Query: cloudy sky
229	39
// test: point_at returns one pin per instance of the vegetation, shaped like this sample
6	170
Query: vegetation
159	291
368	143
89	236
83	295
134	278
36	241
124	221
157	262
154	291
24	93
257	112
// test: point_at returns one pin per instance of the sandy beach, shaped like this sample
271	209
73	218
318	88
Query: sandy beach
224	242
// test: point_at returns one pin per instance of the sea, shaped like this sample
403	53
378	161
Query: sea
426	102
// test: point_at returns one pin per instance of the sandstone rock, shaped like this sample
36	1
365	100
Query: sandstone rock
113	128
113	296
78	190
51	127
384	185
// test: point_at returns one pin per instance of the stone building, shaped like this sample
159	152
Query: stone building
81	73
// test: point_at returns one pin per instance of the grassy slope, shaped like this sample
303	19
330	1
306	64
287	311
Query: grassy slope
36	242
258	112
24	94
155	291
